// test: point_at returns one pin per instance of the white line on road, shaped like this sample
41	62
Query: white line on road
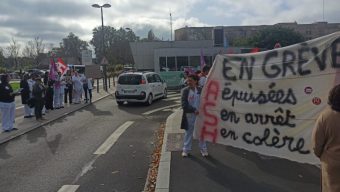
159	109
110	141
19	107
68	188
172	98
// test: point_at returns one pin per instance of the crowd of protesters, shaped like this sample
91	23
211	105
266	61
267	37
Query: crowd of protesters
42	94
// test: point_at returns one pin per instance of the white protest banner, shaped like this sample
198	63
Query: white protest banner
268	102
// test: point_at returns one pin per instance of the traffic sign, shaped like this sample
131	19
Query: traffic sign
104	61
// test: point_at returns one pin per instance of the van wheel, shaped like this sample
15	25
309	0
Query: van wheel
120	102
149	101
165	94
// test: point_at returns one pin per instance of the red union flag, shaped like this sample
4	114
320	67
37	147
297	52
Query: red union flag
62	67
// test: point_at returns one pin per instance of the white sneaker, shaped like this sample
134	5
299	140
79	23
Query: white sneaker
204	153
184	154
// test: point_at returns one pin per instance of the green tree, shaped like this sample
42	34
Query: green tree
71	46
116	44
268	37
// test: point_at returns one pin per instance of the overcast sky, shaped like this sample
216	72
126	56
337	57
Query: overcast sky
53	20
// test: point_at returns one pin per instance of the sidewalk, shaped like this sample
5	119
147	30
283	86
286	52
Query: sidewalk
26	125
227	168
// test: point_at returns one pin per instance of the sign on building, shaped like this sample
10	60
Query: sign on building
86	57
93	71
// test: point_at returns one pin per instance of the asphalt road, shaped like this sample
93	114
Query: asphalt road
102	147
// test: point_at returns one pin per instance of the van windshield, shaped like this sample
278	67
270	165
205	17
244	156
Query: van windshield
130	79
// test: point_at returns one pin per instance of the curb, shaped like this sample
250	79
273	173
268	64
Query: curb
18	134
163	176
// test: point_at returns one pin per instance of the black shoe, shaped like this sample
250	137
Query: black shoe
6	131
27	116
14	129
62	107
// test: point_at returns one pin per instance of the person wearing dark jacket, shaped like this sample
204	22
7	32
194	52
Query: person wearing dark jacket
49	96
25	96
7	104
190	100
39	98
68	90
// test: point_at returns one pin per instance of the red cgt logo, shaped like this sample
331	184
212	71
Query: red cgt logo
316	101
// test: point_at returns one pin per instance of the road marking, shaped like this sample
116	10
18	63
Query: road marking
19	107
172	98
68	188
110	141
160	109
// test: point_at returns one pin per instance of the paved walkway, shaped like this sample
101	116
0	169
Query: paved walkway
25	125
227	168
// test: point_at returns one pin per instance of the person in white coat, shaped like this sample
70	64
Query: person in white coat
57	99
77	87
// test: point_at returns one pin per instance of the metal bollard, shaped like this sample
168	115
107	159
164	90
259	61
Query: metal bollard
109	83
97	85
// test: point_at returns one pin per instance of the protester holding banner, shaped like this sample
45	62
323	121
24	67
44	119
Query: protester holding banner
7	104
190	103
326	142
203	77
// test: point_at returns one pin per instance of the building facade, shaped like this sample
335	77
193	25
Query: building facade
192	42
230	33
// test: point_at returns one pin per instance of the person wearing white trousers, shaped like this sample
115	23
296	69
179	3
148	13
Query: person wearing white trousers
7	104
31	82
77	87
58	95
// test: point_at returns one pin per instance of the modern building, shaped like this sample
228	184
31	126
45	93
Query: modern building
192	42
230	33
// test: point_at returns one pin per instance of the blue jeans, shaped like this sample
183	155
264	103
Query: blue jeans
191	117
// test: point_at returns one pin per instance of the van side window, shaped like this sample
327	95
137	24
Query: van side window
150	78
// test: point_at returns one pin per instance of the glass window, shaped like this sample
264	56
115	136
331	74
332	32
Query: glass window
171	64
181	62
195	61
162	63
129	79
157	78
150	78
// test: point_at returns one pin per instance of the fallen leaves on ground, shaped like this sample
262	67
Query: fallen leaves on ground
155	158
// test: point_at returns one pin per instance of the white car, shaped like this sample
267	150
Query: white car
142	87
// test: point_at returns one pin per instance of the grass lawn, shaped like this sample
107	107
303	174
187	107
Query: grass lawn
15	85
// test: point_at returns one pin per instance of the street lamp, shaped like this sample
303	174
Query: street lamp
106	5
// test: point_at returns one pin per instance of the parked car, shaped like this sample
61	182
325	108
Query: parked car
142	87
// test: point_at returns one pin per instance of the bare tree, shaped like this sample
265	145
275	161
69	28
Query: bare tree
2	58
34	49
13	50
